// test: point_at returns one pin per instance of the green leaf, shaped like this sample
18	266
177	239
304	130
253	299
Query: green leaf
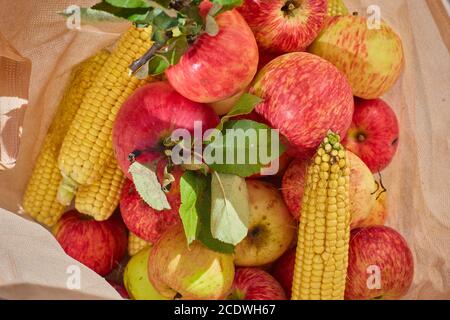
192	13
164	22
245	105
163	5
88	16
244	148
148	186
137	15
226	5
129	3
195	211
166	57
157	65
191	186
229	208
176	48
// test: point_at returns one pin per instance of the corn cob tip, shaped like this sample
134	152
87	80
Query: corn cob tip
66	191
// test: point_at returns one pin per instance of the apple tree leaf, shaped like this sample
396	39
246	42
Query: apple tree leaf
129	3
195	211
148	186
245	148
138	15
225	5
245	105
89	16
191	186
230	208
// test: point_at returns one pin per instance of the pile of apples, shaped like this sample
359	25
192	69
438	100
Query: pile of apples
315	73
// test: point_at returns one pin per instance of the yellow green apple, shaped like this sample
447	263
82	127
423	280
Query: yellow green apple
191	272
378	214
362	190
370	56
271	227
135	278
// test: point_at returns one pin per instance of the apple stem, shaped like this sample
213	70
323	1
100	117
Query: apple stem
361	137
289	7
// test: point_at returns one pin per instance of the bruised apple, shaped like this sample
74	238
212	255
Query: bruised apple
271	228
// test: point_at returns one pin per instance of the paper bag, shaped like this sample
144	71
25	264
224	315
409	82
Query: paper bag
15	74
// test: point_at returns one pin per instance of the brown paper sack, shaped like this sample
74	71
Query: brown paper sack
418	178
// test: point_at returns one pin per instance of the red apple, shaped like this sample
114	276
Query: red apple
283	270
217	67
149	116
284	26
380	264
304	97
255	284
97	244
144	221
374	133
293	184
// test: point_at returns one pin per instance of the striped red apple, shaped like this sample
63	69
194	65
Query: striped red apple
217	67
284	26
304	97
374	133
371	58
255	284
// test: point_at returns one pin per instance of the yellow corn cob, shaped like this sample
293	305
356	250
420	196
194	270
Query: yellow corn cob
100	199
40	196
337	8
323	238
136	244
88	147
